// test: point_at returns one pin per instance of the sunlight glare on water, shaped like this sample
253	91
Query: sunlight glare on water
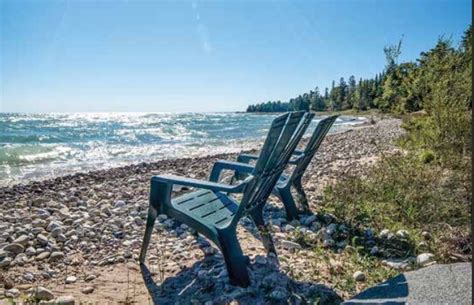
35	146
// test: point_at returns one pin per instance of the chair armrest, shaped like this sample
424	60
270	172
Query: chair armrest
224	164
246	158
220	187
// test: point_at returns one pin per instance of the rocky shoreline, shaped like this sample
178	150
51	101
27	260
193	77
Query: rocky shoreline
77	237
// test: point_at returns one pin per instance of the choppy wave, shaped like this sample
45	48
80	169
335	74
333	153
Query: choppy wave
34	146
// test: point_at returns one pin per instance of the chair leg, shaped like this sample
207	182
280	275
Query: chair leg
150	223
235	260
285	196
257	217
302	199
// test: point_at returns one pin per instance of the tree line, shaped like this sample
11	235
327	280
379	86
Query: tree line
400	88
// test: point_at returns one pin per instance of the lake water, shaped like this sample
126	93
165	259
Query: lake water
36	146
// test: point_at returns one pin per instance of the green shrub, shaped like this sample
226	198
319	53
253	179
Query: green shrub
402	192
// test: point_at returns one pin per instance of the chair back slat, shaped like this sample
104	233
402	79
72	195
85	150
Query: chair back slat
313	145
275	162
280	144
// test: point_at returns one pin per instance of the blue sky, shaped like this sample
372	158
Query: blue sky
66	56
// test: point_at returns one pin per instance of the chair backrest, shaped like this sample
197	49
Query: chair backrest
313	145
282	139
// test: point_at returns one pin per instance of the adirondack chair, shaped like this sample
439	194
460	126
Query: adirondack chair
214	214
301	160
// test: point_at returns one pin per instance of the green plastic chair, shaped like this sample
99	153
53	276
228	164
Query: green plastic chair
214	214
301	160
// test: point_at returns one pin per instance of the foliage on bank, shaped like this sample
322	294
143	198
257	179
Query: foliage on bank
426	185
400	88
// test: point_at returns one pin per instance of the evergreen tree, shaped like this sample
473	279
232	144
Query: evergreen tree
317	101
351	92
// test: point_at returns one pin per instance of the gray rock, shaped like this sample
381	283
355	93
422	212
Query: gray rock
368	233
307	221
279	294
22	240
14	248
295	223
29	276
89	278
328	243
43	255
402	234
6	262
209	250
12	293
43	294
328	218
87	290
169	223
316	226
330	229
30	251
399	264
359	276
384	233
53	225
288	228
65	300
119	204
42	240
289	244
56	232
424	259
426	235
71	279
57	255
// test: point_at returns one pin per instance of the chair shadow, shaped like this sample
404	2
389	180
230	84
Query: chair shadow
392	292
205	281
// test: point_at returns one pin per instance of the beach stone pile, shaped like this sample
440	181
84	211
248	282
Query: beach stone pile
63	229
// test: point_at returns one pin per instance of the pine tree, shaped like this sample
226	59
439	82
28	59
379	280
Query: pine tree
351	94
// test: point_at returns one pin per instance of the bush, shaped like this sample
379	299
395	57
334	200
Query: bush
402	192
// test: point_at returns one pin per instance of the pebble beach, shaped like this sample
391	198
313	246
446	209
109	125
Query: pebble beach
76	238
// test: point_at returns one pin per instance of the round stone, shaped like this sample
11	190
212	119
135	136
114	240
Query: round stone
42	240
12	293
88	290
384	233
359	276
71	279
57	255
43	294
424	259
22	240
6	262
65	300
402	234
42	256
15	248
